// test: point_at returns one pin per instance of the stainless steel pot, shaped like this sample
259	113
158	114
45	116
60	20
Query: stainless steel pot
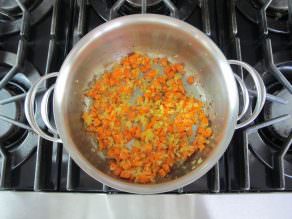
153	34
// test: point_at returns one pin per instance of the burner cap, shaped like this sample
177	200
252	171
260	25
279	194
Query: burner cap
8	110
282	128
138	3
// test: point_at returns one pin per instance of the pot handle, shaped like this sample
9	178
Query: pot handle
31	95
260	90
29	108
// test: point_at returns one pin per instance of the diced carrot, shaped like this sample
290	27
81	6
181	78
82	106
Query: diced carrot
144	179
166	168
208	132
143	139
126	165
162	172
151	74
113	166
125	174
124	154
191	80
179	67
148	147
163	62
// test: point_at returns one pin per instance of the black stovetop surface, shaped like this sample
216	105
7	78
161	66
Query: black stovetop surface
255	160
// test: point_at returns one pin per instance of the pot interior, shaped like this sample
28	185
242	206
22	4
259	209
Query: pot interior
160	36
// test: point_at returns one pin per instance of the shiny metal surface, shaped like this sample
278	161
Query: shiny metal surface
20	205
160	36
29	108
152	34
245	96
44	109
260	90
138	3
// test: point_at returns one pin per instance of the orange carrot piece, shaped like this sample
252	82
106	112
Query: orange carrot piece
191	80
144	139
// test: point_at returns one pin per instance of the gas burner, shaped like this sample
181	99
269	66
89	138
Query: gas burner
16	137
276	117
276	134
11	14
12	111
110	9
277	13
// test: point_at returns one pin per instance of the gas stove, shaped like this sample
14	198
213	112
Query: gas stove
36	36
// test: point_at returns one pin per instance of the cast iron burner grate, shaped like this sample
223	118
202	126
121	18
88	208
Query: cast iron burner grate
277	13
277	133
270	139
29	162
16	138
111	9
11	13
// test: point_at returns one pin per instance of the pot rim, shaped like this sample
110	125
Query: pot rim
182	181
